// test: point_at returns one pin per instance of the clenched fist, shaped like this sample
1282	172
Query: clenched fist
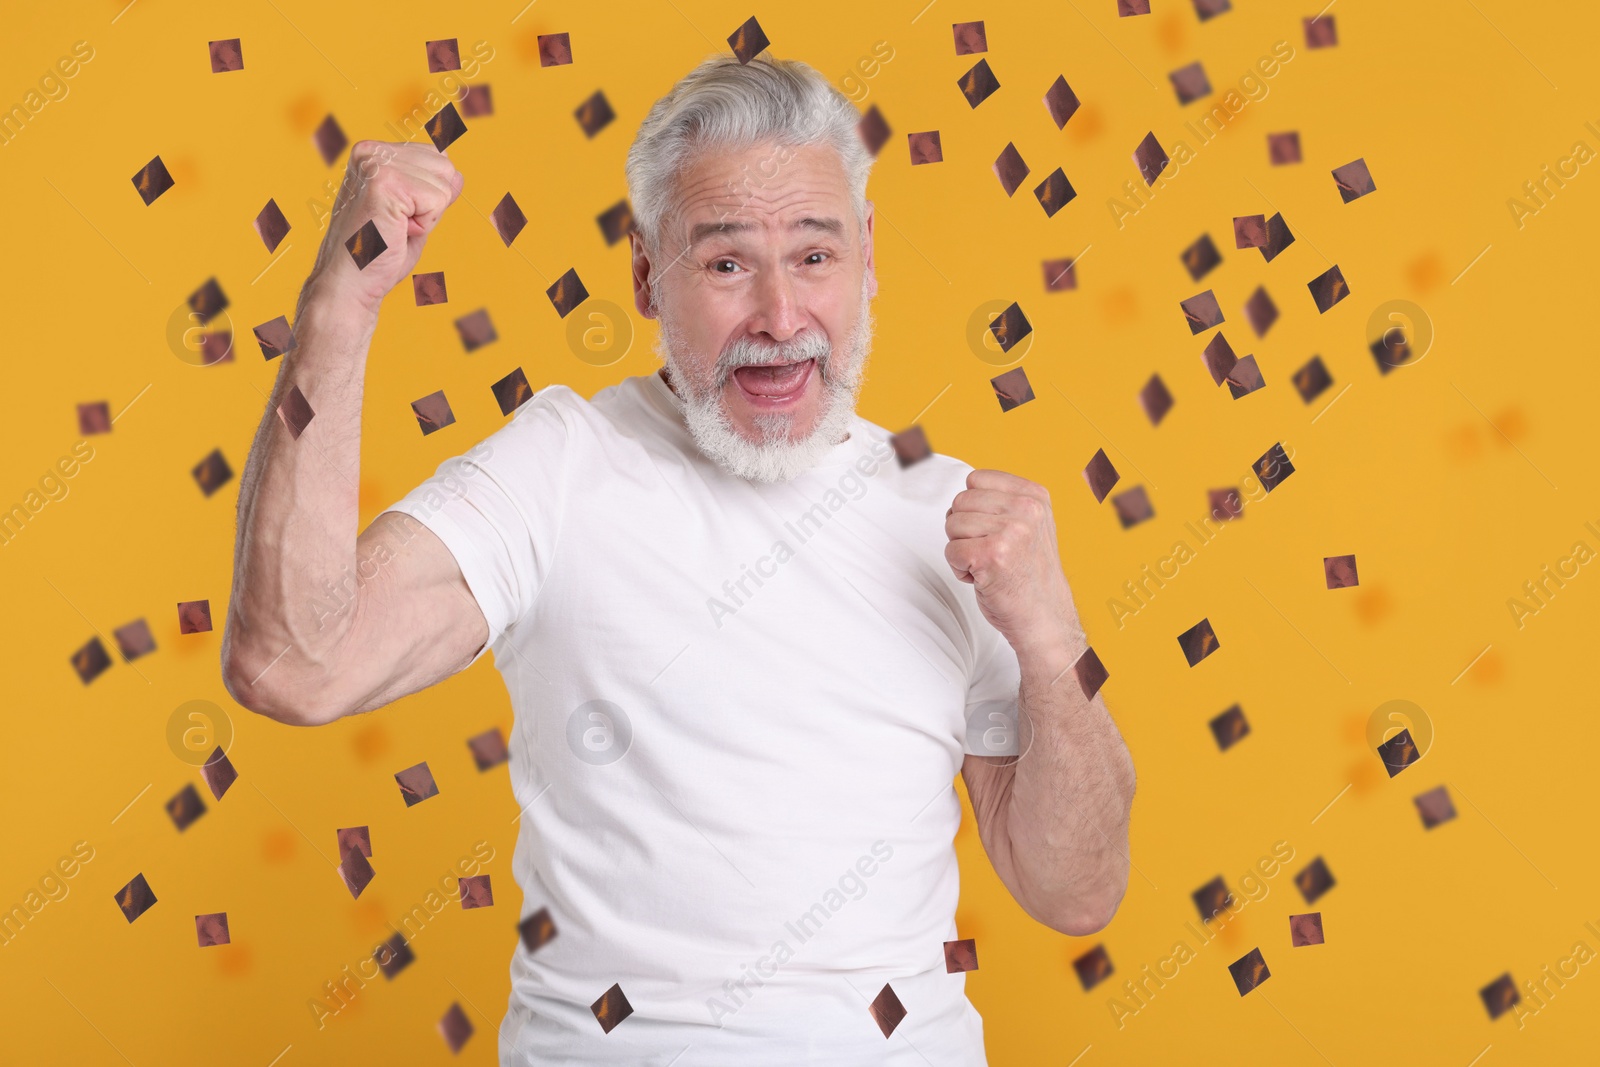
402	189
1003	543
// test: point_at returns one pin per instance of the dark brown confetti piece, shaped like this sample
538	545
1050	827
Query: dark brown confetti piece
1312	379
477	101
208	300
366	245
1200	257
1101	475
1202	311
185	807
1305	929
1198	641
1283	148
212	473
476	892
1127	8
135	898
1211	898
594	114
271	226
873	129
1249	971
1219	358
1010	168
1340	571
1391	350
354	837
152	180
91	660
276	338
94	418
443	55
1133	507
1156	399
508	219
455	1028
295	411
1273	467
194	616
1314	880
1060	275
216	347
1093	967
1054	193
1229	728
537	930
747	42
960	956
1150	158
1012	388
446	128
218	773
476	329
212	929
1500	995
1009	327
1225	504
1328	288
433	413
356	871
1060	101
1210	9
1090	672
616	223
416	783
1261	311
1435	807
134	640
970	38
555	49
226	55
1320	31
887	1011
429	289
567	293
330	140
1245	377
1398	753
394	956
512	391
1354	180
1249	231
925	147
1278	238
1190	83
612	1007
978	84
910	446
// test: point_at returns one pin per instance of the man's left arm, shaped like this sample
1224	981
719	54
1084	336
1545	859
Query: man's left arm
1054	819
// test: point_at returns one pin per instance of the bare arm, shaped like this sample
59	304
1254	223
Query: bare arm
323	622
1054	821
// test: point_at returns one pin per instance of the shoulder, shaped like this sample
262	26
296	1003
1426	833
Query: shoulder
932	480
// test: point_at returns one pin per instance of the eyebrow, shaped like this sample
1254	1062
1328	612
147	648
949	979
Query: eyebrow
703	230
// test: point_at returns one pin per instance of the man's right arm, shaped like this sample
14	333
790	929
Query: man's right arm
322	622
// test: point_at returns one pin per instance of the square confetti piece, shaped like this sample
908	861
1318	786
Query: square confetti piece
1249	971
910	446
476	892
1273	467
873	129
594	114
512	391
152	180
476	329
455	1028
365	245
394	956
616	222
276	337
91	660
960	956
416	784
555	49
226	56
1314	880
970	38
1101	475
508	219
1201	257
1090	672
747	42
1012	388
1311	380
1150	158
212	473
433	413
1010	168
271	226
1435	807
94	418
446	128
1328	288
218	773
1133	507
1054	193
194	616
1229	728
1305	929
330	140
567	293
212	929
134	640
295	411
1156	399
887	1011
1060	101
978	84
537	930
185	807
1198	642
429	289
925	147
443	55
1340	571
613	1006
1093	967
135	898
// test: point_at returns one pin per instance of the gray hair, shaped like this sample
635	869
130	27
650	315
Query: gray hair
723	104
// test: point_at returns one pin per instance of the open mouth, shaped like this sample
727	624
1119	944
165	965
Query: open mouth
774	385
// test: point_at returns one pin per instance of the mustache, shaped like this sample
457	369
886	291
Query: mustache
745	352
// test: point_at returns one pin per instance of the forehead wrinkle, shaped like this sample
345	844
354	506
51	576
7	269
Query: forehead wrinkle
735	215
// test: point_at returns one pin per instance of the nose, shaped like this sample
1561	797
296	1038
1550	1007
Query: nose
778	314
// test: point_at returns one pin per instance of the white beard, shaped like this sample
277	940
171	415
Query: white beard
776	456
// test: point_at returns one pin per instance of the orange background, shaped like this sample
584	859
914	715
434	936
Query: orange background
1453	481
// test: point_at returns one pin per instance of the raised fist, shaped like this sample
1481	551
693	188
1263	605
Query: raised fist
402	189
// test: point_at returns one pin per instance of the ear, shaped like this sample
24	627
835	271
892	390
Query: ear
643	280
866	253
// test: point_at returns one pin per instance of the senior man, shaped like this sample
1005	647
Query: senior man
747	650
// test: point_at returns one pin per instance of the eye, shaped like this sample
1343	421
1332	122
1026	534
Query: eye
814	255
716	265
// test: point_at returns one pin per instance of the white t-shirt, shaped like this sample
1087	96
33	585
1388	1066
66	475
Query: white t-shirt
739	712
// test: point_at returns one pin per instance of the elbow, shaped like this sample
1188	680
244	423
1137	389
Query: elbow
1080	918
269	686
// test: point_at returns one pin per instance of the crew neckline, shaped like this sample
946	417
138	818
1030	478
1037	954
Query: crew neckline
669	406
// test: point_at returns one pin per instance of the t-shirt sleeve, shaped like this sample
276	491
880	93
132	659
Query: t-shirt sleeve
992	693
498	508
